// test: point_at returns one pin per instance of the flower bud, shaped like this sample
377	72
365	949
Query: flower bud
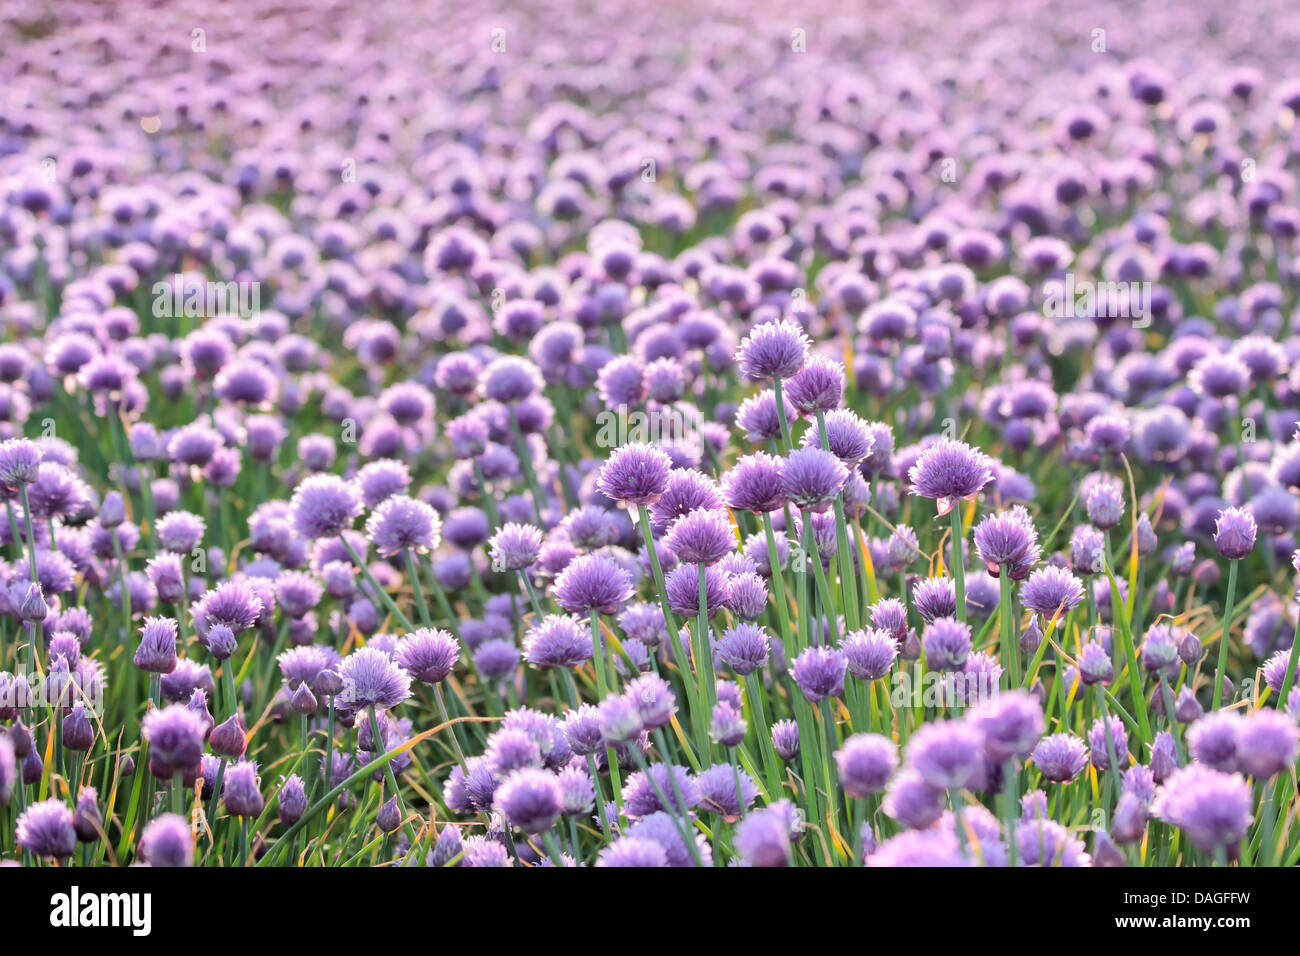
86	818
32	607
1032	638
292	800
389	817
303	701
78	734
228	738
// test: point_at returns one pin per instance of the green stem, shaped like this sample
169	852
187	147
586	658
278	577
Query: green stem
1217	700
958	561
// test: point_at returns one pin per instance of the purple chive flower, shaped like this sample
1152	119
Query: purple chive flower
1100	742
1012	723
481	851
515	547
577	793
448	847
1060	757
1234	533
241	793
1267	744
811	478
819	672
633	851
643	622
682	585
310	665
8	763
1130	819
1183	559
865	763
870	653
220	641
1213	808
372	679
582	731
303	701
1047	843
636	474
727	727
950	471
754	484
1213	740
1274	669
1051	589
948	754
772	350
510	749
592	582
848	437
920	848
324	506
744	648
1104	503
912	801
726	789
157	651
232	604
1095	666
297	593
663	829
785	739
653	699
510	379
947	644
619	719
389	816
818	386
401	523
381	480
46	829
175	736
557	641
1032	636
704	536
935	598
1160	649
757	417
1008	541
764	838
428	654
641	797
747	596
531	800
1140	782
1087	550
20	463
686	491
890	615
167	841
1219	375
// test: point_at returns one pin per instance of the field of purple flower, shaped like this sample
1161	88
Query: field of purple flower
648	436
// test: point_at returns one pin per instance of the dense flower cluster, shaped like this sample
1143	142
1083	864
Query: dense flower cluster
613	443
